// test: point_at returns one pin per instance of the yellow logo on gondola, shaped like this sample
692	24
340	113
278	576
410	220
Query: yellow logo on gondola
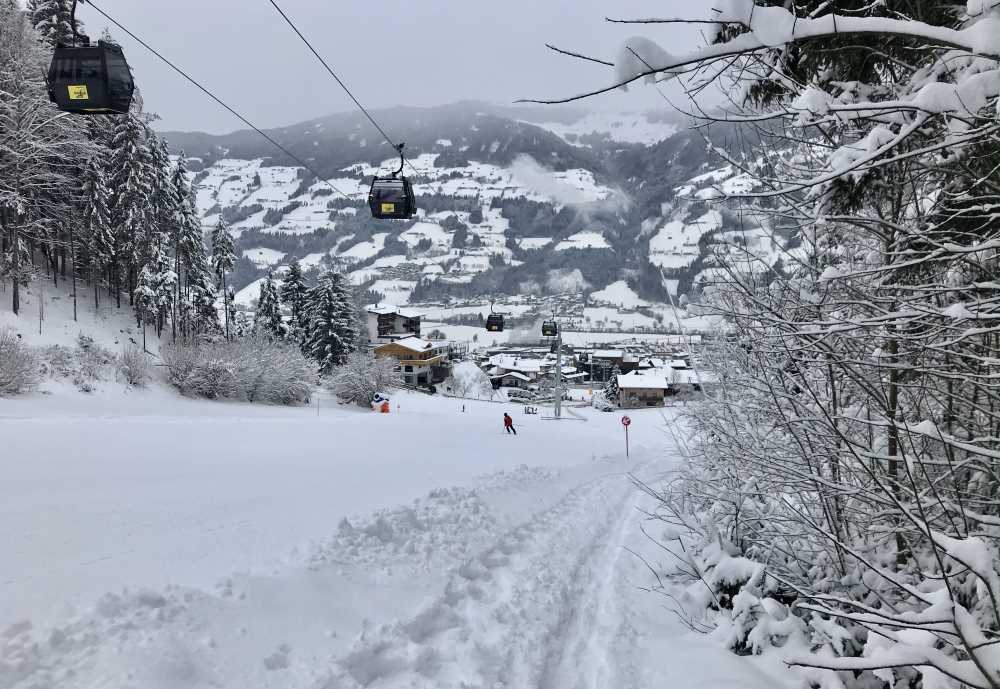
78	92
388	208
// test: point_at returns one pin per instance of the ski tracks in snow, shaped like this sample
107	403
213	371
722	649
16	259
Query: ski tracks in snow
540	608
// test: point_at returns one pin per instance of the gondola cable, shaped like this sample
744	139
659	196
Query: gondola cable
390	198
340	81
332	73
218	100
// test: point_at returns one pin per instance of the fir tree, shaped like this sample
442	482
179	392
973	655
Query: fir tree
293	296
154	292
99	239
52	20
611	387
130	186
332	331
223	260
195	291
268	319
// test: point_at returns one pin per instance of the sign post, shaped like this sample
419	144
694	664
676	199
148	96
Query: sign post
626	422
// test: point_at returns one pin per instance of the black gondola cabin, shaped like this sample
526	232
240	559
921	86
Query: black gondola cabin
391	198
91	79
494	323
549	329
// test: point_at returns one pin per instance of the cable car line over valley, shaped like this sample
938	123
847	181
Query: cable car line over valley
390	198
215	98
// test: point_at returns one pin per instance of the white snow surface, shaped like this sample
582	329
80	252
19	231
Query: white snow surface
264	257
154	541
587	239
626	127
618	294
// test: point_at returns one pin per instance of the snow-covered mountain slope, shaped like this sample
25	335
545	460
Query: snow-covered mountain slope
505	205
630	128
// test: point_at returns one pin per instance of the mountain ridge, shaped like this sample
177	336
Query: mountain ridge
506	204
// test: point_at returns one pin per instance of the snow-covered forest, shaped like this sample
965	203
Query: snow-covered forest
820	509
99	203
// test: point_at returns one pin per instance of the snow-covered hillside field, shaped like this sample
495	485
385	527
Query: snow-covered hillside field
152	541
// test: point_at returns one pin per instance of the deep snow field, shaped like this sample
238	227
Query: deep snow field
151	541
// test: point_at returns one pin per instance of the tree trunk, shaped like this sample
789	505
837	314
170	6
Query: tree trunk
16	292
225	304
72	251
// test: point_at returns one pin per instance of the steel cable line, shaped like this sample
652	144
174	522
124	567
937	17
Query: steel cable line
218	100
397	147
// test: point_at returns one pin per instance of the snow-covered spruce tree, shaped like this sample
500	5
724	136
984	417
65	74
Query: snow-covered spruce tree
98	238
196	293
610	390
37	152
157	280
293	297
841	501
362	375
52	20
331	330
154	292
267	319
223	260
130	186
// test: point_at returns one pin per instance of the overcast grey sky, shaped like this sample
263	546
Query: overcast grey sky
390	52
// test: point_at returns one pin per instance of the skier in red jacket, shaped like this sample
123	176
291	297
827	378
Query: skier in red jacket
508	423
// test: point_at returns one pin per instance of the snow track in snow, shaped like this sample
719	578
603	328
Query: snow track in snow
538	608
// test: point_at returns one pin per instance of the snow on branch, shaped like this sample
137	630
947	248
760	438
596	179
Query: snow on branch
773	27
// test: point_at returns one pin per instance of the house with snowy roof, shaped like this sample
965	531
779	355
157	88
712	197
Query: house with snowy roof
642	390
386	323
421	362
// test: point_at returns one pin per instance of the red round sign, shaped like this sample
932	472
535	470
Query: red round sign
626	421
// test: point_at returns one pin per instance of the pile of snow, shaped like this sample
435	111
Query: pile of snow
432	534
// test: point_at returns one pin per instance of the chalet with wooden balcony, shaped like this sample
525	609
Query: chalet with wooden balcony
421	362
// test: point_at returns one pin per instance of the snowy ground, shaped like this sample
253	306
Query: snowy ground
157	542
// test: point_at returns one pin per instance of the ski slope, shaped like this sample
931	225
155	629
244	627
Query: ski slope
159	542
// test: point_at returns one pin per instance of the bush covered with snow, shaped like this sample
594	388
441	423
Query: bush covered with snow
85	365
133	366
600	401
254	369
362	376
468	380
20	368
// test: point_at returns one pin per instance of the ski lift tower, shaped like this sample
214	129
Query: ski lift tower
551	329
557	406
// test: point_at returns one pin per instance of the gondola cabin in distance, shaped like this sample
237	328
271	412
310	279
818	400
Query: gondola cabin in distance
391	198
494	323
91	79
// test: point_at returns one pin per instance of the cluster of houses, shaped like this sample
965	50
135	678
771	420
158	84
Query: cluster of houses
394	331
645	376
644	379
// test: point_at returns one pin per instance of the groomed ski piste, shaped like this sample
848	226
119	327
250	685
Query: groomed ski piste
152	541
